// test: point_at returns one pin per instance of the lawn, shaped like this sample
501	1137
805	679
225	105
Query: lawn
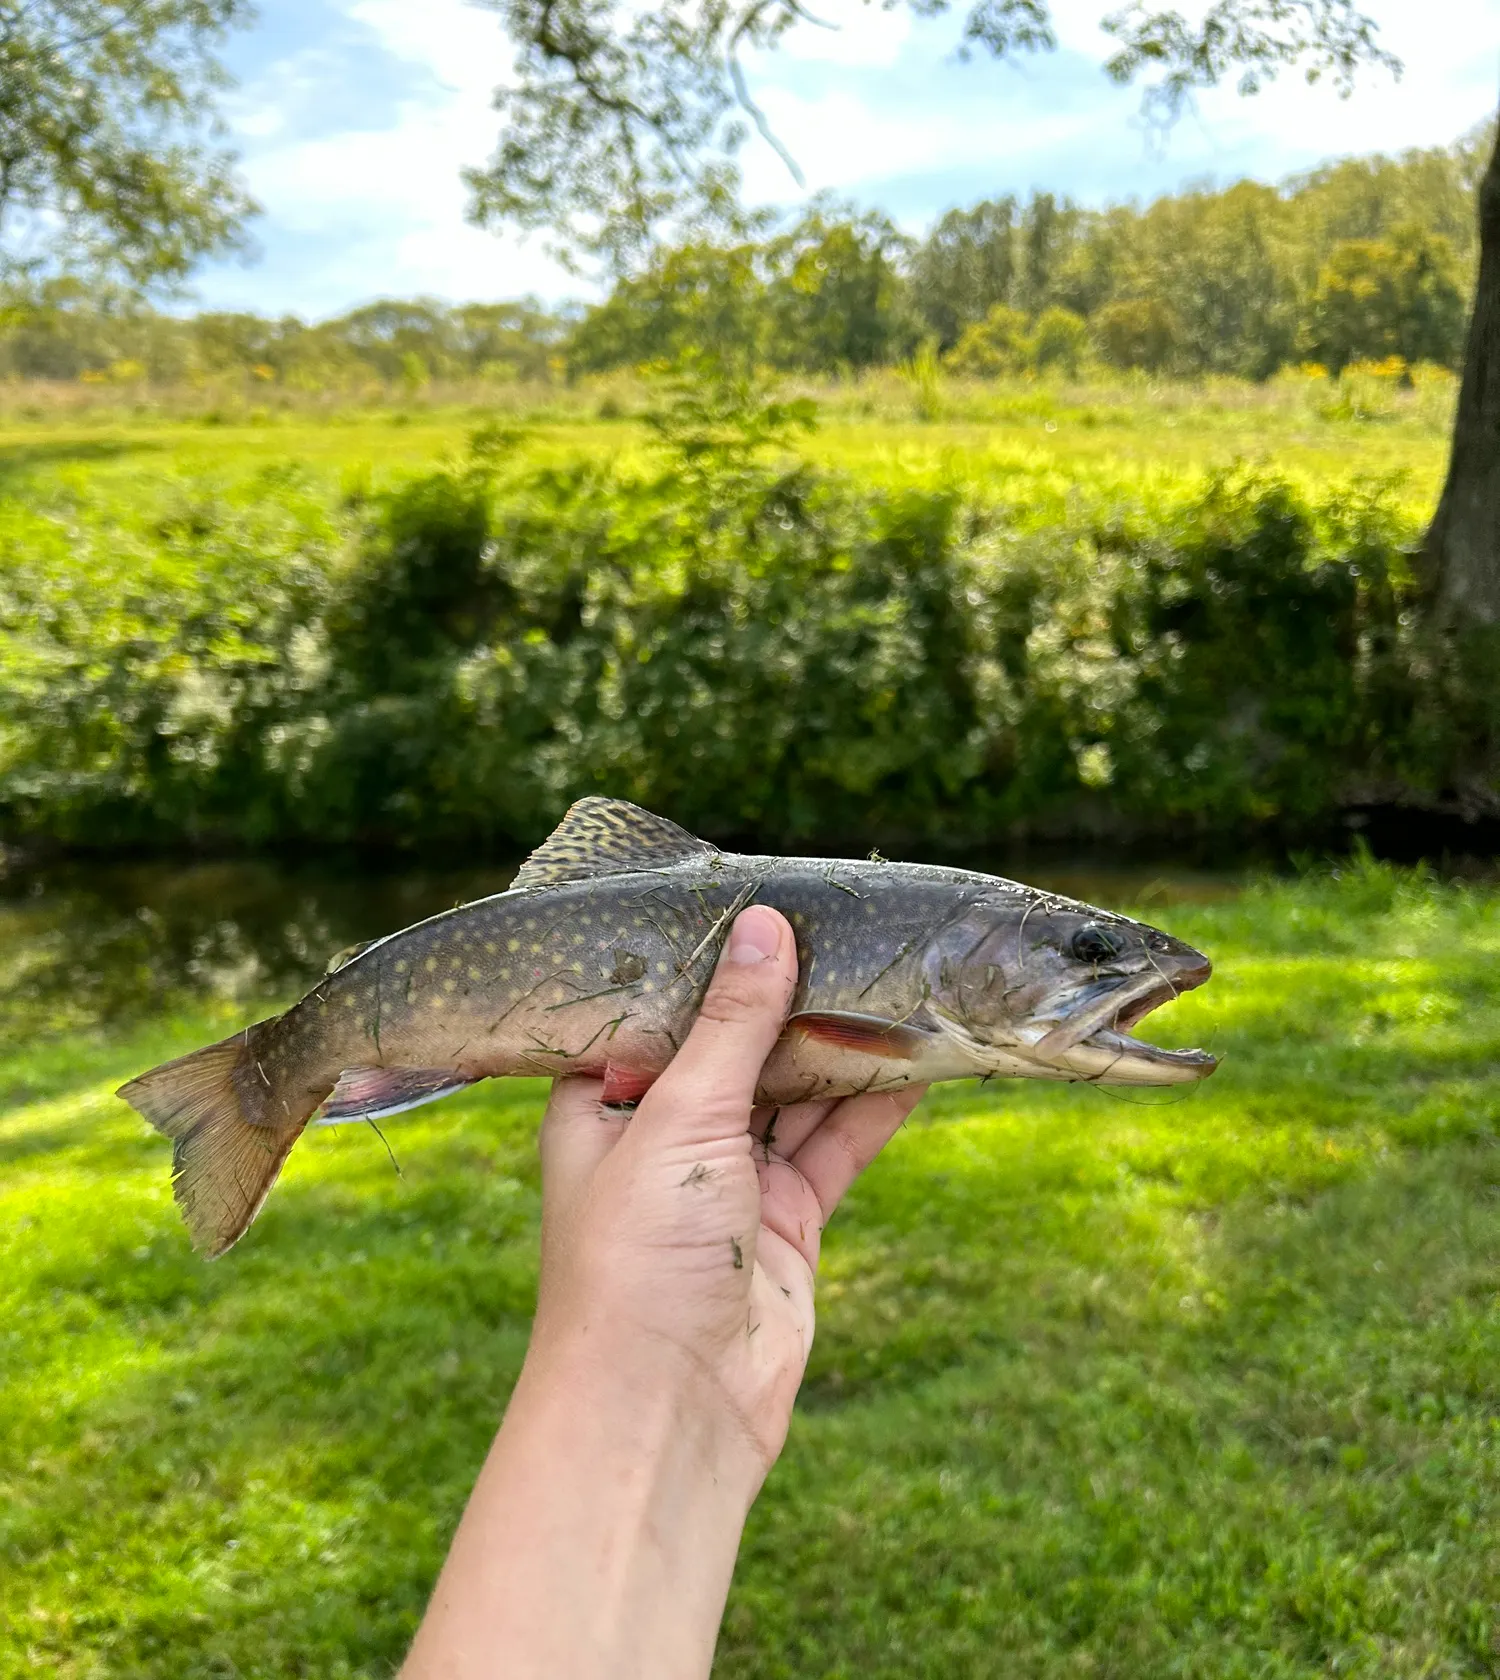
1102	1387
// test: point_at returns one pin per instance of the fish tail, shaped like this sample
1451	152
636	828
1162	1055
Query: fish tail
225	1157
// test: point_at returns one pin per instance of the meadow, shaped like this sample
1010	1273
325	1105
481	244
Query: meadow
1042	438
1102	1387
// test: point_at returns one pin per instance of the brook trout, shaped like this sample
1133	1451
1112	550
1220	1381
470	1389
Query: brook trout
595	961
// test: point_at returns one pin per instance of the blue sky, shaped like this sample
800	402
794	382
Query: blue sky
354	117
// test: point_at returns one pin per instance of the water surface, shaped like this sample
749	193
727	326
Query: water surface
89	945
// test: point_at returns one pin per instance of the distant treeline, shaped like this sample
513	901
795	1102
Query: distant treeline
1361	260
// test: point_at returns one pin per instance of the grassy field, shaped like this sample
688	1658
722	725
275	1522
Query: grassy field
1102	1387
1036	444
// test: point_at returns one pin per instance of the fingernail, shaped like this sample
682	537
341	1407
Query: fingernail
755	936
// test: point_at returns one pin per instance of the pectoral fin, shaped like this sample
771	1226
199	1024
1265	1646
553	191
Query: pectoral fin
624	1087
371	1093
872	1035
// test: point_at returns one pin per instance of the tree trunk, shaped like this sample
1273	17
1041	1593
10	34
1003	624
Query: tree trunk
1463	543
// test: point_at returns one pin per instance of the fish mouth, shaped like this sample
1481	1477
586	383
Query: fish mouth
1095	1040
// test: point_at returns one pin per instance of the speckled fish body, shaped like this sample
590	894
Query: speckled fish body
595	963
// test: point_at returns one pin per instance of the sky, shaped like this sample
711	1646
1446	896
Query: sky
353	119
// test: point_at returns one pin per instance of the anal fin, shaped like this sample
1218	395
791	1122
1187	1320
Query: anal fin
872	1035
373	1093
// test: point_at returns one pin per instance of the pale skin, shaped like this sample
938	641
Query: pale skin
674	1321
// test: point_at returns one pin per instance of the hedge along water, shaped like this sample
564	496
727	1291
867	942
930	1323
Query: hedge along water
755	649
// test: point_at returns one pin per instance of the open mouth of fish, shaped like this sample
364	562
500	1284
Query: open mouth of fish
1099	1024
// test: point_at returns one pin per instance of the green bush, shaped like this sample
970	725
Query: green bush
755	649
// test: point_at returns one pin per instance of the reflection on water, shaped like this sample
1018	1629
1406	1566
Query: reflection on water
88	944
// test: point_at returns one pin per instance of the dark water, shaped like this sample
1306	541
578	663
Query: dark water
90	945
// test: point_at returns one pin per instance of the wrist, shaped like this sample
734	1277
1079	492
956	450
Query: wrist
601	1536
648	1400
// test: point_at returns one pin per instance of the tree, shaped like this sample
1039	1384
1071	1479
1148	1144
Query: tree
1137	333
1462	550
1389	297
695	297
838	300
964	267
107	157
622	119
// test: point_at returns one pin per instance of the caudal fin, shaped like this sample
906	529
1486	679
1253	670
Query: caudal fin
223	1165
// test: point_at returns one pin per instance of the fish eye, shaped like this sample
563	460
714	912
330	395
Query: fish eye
1095	944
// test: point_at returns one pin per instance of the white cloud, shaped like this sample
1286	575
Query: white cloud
388	201
849	32
460	44
845	143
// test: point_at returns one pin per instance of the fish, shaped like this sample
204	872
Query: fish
595	960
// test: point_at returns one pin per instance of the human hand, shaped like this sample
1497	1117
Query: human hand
681	1244
674	1321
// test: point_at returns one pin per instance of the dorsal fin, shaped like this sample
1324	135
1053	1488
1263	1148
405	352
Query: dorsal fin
341	959
607	837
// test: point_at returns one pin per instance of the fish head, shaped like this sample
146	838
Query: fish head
1047	988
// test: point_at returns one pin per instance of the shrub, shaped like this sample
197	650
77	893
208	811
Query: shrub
1137	333
753	647
1059	340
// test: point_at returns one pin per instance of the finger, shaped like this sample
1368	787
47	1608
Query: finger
850	1138
576	1135
707	1091
787	1128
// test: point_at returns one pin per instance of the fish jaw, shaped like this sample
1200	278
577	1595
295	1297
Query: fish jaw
1082	1032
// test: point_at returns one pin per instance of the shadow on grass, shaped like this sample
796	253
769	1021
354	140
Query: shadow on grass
17	460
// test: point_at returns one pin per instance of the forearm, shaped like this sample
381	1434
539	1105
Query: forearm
601	1536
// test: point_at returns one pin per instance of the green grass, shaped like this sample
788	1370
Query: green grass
1196	1388
1037	444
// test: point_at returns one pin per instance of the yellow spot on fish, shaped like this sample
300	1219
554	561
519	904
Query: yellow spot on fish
450	985
402	966
536	950
430	965
577	968
661	968
637	921
512	944
558	994
531	924
457	962
436	1001
473	973
490	946
583	921
505	974
648	985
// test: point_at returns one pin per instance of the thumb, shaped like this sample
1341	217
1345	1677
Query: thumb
709	1088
